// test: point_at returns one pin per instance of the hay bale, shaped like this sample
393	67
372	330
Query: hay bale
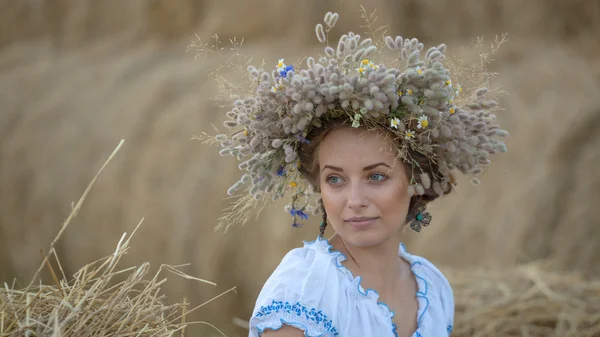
524	301
94	302
69	24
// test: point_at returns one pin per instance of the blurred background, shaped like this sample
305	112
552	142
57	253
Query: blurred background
76	77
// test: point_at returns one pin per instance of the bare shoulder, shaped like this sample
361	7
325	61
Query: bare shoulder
285	331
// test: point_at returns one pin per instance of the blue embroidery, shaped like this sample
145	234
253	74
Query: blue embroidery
421	294
313	315
340	257
449	328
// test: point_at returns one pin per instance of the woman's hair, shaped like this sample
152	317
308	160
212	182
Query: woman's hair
309	164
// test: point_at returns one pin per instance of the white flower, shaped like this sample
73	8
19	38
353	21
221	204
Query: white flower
409	134
458	90
280	65
423	122
394	123
356	120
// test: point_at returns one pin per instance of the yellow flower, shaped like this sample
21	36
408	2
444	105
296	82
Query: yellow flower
449	83
365	62
423	122
373	65
293	184
409	134
394	123
280	65
361	70
273	89
399	93
421	102
408	92
451	111
459	90
419	71
246	133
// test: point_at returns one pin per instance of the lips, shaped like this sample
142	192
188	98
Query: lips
361	222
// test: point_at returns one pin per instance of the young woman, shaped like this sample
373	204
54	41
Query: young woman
368	147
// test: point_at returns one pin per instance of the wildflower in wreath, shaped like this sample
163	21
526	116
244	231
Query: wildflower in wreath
459	90
409	134
366	64
299	213
281	171
283	73
395	122
423	122
280	65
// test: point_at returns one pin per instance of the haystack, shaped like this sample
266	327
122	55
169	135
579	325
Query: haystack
100	299
528	301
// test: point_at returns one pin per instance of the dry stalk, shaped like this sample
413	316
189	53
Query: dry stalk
91	303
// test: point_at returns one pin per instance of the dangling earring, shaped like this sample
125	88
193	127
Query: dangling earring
419	218
324	220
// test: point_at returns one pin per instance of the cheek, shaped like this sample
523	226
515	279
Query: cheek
334	202
393	202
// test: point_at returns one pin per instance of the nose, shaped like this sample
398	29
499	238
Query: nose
357	198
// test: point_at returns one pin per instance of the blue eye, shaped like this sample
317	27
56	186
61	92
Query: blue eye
377	177
333	180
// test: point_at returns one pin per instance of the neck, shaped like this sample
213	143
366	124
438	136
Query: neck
379	266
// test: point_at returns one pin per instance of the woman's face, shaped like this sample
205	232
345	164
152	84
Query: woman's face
363	186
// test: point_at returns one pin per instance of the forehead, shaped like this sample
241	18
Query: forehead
350	146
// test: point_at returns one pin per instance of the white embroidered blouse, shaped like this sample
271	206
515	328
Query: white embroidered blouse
313	291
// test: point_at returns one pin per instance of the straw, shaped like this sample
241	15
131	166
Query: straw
92	302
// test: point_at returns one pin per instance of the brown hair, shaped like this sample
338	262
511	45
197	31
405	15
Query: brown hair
309	165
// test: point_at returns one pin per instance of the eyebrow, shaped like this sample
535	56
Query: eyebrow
366	168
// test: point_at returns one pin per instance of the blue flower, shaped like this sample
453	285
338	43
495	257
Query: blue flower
283	73
298	212
281	171
302	139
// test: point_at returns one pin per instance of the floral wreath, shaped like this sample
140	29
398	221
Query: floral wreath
420	104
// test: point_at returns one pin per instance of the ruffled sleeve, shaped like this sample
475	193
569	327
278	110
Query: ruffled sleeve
445	293
437	296
300	293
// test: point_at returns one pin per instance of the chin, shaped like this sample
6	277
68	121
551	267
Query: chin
366	237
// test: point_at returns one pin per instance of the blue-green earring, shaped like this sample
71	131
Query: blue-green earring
419	219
